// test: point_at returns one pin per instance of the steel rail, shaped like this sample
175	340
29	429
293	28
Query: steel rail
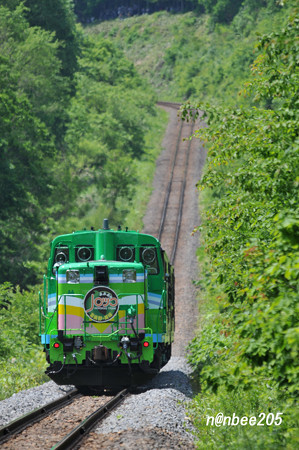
87	424
16	426
181	203
169	187
174	105
168	190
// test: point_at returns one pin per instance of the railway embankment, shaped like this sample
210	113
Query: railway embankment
155	415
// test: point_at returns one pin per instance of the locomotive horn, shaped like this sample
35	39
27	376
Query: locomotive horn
106	224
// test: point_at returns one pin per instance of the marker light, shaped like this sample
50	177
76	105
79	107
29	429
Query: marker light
73	276
145	344
56	345
129	276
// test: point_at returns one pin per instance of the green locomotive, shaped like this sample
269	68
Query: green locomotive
107	313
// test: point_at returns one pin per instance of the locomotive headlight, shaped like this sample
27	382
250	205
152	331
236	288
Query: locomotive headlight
72	276
129	276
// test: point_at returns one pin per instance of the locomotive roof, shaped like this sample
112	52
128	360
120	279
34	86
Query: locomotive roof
119	237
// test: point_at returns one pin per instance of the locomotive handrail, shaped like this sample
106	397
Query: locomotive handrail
40	311
164	315
45	291
43	306
58	303
49	324
164	293
42	303
43	314
137	316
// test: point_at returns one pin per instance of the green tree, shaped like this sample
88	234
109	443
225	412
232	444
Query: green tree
30	89
25	150
222	11
57	16
110	96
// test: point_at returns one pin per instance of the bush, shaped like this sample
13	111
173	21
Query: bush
22	362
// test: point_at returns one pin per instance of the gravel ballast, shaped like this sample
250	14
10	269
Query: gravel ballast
154	416
25	401
162	405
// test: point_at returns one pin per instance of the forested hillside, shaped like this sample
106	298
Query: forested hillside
79	129
195	55
61	102
79	138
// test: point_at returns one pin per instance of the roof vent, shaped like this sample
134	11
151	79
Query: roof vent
106	224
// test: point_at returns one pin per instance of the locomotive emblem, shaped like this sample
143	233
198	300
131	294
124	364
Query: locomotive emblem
101	304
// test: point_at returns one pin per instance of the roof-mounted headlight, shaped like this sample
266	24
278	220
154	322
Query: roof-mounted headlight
73	276
129	276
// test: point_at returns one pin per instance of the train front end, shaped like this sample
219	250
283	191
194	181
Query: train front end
100	330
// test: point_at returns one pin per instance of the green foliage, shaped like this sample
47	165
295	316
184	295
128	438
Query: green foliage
197	61
261	398
57	16
44	55
26	144
110	96
22	363
221	11
62	158
32	99
250	230
224	11
90	10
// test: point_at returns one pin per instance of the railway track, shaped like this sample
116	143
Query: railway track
172	214
80	431
16	426
174	105
174	191
70	427
59	425
172	211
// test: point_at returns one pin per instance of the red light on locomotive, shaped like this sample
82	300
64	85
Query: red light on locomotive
56	345
145	344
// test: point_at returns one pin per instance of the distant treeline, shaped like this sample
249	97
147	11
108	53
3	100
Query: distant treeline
99	10
221	10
